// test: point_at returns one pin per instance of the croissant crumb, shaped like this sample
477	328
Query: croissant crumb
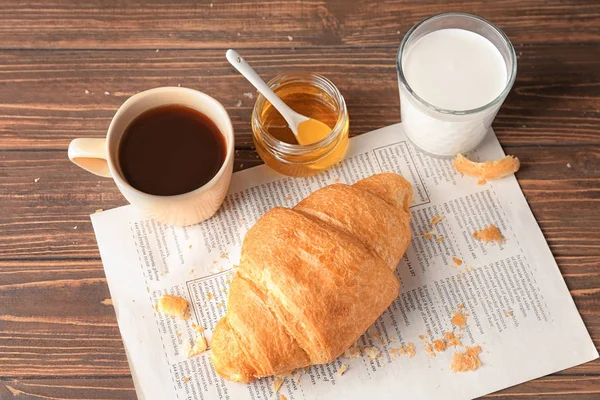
353	352
297	376
379	337
173	306
487	170
372	352
459	319
429	349
277	382
198	328
439	345
489	234
193	350
467	361
342	369
429	235
408	349
437	219
452	340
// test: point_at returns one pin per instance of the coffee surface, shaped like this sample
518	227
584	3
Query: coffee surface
171	150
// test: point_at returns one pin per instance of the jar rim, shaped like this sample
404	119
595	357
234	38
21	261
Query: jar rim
506	41
318	81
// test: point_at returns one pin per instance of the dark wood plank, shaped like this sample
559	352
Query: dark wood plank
556	99
50	218
220	23
120	388
547	388
53	321
75	335
553	388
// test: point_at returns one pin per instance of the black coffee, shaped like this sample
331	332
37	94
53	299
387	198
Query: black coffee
171	150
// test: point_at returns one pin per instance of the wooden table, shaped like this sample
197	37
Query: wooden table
66	66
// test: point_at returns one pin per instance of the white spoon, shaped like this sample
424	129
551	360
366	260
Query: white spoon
306	130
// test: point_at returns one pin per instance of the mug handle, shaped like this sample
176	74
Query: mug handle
90	154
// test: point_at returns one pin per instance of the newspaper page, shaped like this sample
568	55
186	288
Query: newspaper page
516	304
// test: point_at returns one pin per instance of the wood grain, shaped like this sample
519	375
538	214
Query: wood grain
120	388
237	23
76	334
53	321
556	99
57	338
546	388
50	218
553	388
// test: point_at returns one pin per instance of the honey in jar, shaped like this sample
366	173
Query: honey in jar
315	97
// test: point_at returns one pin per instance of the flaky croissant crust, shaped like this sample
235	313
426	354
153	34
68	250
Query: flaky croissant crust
312	279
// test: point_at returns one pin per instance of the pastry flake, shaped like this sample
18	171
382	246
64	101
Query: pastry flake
173	306
342	370
408	349
467	361
439	345
379	337
297	378
198	328
198	347
429	349
452	340
487	170
489	234
372	352
277	382
459	319
437	219
353	351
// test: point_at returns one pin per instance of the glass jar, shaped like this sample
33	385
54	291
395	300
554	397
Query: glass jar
294	159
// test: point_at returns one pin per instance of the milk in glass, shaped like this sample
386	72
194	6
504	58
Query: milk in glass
452	83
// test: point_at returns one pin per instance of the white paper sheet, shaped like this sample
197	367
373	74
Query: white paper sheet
520	311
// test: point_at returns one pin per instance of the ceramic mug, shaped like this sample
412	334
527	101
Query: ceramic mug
100	157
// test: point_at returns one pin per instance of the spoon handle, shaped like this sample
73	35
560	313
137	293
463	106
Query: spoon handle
246	70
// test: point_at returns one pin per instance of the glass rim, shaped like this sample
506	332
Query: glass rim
323	84
498	99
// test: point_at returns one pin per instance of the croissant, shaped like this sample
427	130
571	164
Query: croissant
312	279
